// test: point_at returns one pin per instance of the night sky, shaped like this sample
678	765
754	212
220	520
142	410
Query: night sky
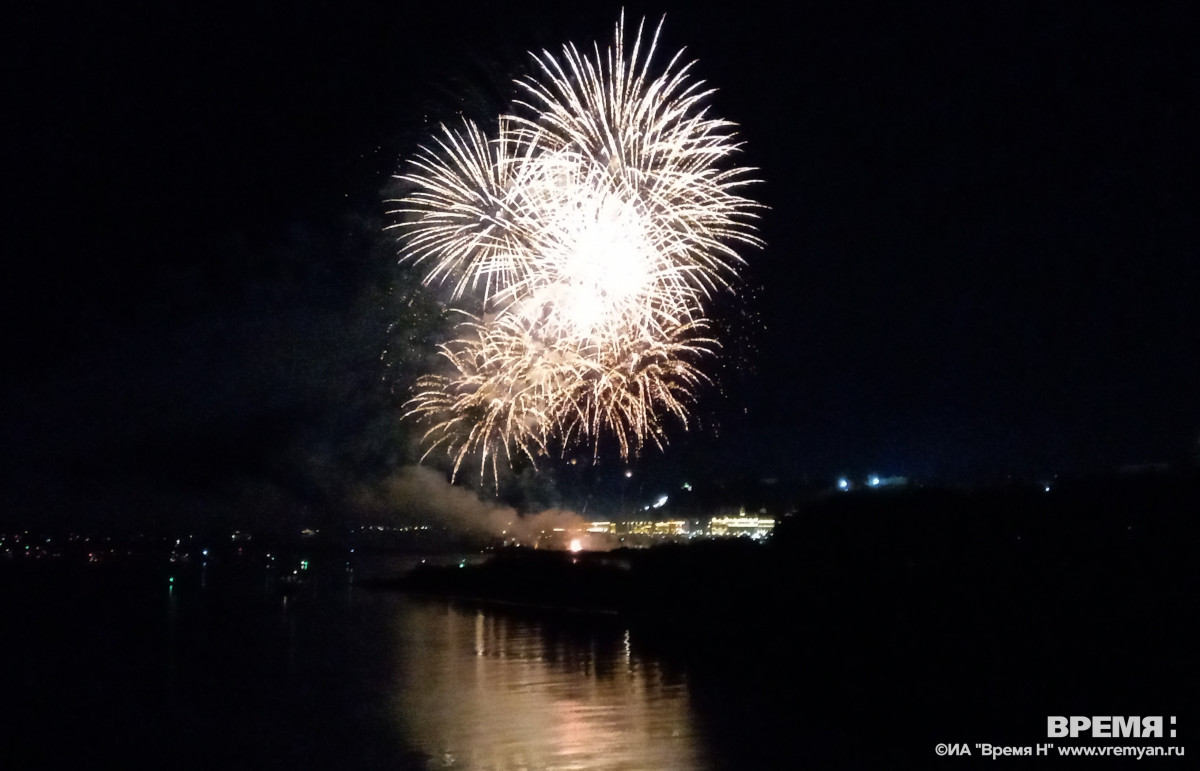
981	252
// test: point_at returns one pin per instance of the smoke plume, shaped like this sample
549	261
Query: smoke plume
421	495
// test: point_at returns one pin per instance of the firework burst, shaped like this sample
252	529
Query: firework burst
589	233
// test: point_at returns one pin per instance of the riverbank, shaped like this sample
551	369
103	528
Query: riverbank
912	618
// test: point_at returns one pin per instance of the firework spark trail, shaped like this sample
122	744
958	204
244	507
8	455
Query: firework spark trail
652	136
591	230
511	392
468	211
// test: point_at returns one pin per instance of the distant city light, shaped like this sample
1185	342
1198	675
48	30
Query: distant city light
754	527
576	544
843	484
874	481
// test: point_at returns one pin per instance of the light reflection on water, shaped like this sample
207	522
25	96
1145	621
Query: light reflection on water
485	689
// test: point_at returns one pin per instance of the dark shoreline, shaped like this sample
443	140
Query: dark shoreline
867	630
916	617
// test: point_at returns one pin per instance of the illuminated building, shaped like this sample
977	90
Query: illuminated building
607	534
651	527
753	527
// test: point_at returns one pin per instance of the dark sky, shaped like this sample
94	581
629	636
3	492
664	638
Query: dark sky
981	250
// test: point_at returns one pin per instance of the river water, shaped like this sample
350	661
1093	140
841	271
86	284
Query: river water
220	668
482	689
226	671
